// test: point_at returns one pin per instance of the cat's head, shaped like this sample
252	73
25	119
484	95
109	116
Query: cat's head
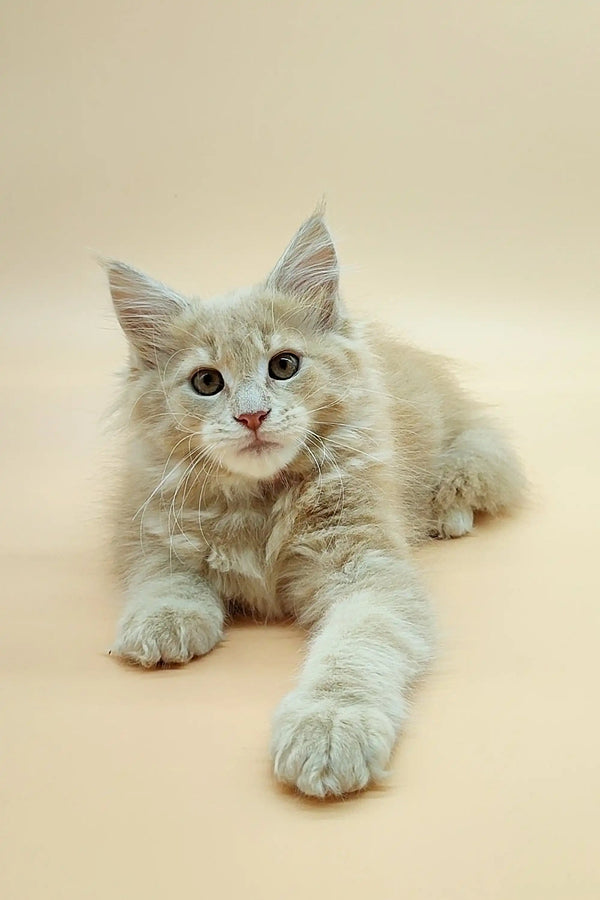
250	380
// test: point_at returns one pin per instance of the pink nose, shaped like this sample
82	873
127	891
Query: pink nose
253	420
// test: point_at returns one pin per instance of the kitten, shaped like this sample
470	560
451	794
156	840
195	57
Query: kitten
282	458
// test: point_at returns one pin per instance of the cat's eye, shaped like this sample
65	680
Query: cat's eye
207	382
283	366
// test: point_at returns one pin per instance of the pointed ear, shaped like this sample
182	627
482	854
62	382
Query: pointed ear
309	268
144	308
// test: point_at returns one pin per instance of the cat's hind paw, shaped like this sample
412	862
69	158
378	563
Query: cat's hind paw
454	523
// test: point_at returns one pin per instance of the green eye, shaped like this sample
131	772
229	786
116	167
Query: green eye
283	366
207	382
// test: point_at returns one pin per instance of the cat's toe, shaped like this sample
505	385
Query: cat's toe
328	747
169	634
454	523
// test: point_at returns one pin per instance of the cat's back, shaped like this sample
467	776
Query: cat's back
424	395
426	408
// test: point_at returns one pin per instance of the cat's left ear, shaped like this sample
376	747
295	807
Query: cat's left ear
309	269
145	309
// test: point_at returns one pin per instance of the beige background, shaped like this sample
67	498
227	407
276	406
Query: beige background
458	146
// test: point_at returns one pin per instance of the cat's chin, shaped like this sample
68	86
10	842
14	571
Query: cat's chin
261	461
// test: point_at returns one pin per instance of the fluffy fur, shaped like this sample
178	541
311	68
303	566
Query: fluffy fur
369	448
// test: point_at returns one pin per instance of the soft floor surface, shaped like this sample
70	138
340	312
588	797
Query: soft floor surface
455	146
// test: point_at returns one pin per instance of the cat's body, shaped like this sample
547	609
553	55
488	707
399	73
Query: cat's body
294	495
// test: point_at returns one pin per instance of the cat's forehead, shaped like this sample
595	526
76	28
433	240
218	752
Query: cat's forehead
236	301
243	325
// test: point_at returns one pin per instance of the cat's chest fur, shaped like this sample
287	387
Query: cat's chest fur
237	544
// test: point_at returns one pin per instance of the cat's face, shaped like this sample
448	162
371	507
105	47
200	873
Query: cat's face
249	380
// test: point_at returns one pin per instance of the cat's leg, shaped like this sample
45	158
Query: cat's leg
479	472
168	617
336	731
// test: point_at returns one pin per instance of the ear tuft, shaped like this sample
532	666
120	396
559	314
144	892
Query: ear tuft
144	307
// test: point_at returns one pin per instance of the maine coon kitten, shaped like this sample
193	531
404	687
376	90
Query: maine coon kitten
282	458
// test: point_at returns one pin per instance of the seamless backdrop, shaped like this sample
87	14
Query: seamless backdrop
458	145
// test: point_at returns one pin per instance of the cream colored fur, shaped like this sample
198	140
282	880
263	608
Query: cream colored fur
377	447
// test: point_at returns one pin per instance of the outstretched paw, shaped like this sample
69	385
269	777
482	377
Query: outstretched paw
325	747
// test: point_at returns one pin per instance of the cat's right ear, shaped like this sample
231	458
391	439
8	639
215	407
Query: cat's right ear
144	307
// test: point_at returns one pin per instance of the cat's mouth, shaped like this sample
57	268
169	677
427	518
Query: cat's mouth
259	445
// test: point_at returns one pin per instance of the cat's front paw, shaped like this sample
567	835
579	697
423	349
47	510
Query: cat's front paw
326	746
168	633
